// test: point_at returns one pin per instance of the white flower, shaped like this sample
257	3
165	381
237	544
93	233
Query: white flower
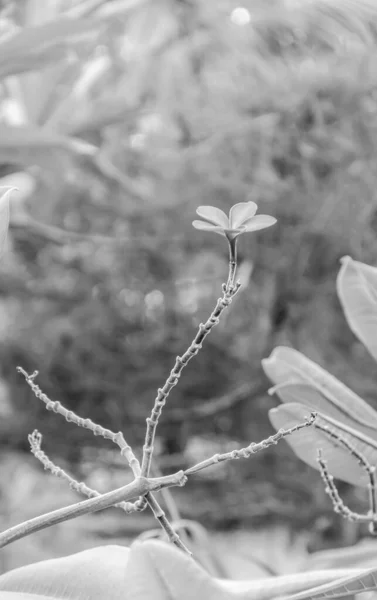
242	219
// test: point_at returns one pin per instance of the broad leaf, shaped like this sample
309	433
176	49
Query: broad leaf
5	193
357	291
301	380
97	573
306	442
148	571
347	586
151	570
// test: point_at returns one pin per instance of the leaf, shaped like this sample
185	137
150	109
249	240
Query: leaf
5	193
277	587
347	586
298	379
96	573
306	442
148	570
357	290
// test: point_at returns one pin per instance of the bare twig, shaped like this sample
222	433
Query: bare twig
70	416
332	491
165	524
35	440
229	291
252	448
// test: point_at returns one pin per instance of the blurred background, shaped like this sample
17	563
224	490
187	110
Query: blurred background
117	119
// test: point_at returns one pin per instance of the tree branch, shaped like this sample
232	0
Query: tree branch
139	487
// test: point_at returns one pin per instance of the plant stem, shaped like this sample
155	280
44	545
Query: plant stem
229	291
232	263
165	524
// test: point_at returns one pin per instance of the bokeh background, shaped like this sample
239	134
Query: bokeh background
117	119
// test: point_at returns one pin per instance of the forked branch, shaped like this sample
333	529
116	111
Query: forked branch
71	417
35	440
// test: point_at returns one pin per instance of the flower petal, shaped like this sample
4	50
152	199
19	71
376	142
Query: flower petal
208	227
241	212
259	222
214	215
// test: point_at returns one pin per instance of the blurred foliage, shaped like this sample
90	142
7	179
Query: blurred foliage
117	119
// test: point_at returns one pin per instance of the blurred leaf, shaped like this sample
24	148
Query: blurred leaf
357	290
339	19
4	216
34	47
36	12
75	104
85	8
119	8
305	443
28	145
42	92
363	554
298	379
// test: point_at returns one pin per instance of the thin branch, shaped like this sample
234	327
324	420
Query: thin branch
167	496
253	448
331	489
229	291
161	517
70	416
35	440
139	487
165	524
